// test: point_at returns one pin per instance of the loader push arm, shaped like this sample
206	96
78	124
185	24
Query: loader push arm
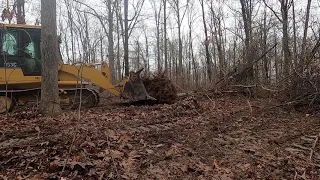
100	75
101	78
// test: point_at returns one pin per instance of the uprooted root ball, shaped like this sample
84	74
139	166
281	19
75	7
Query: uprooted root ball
160	87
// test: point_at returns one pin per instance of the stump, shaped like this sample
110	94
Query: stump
160	87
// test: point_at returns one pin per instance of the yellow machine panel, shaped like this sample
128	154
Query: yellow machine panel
20	73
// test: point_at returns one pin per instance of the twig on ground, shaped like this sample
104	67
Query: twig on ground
214	103
77	125
313	147
250	108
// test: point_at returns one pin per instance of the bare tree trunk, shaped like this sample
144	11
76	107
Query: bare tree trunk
192	58
264	45
165	35
208	57
118	41
285	39
50	103
110	40
66	44
294	36
86	39
101	48
177	8
180	66
305	32
20	12
246	9
284	6
72	35
147	66
126	39
276	61
157	12
218	39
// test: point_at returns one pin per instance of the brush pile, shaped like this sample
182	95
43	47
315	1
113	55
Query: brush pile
306	87
159	86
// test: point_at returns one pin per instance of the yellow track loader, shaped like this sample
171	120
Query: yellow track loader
20	74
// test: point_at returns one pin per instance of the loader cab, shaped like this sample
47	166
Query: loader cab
20	49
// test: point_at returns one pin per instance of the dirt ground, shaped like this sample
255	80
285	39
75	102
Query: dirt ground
198	137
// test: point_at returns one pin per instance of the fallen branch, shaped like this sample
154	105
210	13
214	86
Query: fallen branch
250	108
234	72
214	104
313	147
256	85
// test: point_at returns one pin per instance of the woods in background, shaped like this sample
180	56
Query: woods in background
196	42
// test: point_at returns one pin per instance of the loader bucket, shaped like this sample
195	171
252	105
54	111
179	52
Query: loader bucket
135	89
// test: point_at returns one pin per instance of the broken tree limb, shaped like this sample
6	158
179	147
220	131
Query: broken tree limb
256	85
313	147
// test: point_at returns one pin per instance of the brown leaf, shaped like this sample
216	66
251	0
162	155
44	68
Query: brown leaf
127	164
97	162
116	154
150	151
170	152
156	170
37	128
184	168
159	145
130	175
225	177
36	177
203	167
134	154
112	135
215	164
125	176
79	157
125	138
19	178
43	151
55	165
4	177
247	166
91	144
303	176
88	144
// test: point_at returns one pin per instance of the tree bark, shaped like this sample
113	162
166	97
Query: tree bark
126	39
305	32
165	35
110	41
147	65
246	9
208	58
157	21
50	103
180	66
294	35
285	38
264	47
20	12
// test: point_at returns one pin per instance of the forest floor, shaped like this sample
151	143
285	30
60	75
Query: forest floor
200	137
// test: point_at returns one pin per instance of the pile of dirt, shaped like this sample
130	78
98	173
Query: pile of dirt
160	87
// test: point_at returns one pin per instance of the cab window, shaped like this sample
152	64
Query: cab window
10	43
30	49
